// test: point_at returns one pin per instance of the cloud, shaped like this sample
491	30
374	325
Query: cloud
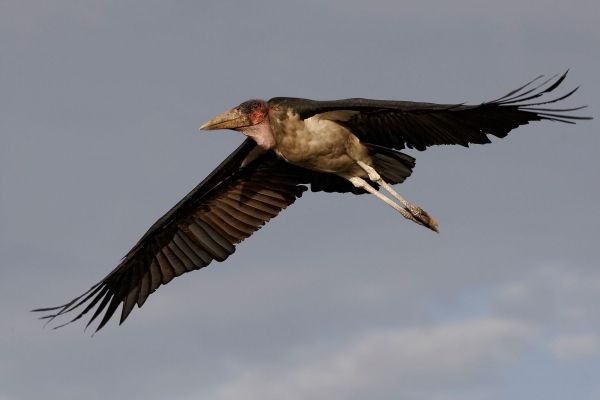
400	361
560	299
576	346
553	295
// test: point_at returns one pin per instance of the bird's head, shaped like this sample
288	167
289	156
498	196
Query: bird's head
249	113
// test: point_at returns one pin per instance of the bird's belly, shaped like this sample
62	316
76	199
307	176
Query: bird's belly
316	144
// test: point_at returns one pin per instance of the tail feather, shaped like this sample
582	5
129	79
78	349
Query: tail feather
393	166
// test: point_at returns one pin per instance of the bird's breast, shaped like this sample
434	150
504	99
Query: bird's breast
314	143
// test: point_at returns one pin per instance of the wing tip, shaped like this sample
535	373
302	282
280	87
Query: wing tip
519	98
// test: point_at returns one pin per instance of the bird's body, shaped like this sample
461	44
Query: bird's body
316	143
347	146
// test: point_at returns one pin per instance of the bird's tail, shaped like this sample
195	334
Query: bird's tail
393	166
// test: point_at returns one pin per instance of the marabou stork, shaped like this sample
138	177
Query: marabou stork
334	146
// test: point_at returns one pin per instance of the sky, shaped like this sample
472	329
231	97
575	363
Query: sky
338	297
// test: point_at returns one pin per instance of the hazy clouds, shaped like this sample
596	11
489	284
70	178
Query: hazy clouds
338	297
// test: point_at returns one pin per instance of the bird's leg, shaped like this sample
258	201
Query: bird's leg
418	215
375	177
362	184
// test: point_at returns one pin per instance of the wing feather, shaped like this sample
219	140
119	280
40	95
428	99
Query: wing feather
405	124
228	206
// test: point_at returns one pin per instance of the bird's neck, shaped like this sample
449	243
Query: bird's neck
261	133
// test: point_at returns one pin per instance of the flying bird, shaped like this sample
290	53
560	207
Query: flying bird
346	146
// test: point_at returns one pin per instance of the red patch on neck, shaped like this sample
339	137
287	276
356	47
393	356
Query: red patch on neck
256	117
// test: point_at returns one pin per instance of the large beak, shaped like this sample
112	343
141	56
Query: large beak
231	119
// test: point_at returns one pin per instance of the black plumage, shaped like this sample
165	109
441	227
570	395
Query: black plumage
257	181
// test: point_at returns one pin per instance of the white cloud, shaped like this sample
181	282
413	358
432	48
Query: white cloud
576	346
559	300
399	361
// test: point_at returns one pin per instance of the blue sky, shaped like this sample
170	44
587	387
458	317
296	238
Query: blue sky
338	297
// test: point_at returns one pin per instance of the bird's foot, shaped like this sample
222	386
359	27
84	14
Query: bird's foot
406	209
422	218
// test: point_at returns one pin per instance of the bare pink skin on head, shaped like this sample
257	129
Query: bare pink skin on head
260	130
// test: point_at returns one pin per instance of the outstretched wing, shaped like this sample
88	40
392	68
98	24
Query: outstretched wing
234	201
400	124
